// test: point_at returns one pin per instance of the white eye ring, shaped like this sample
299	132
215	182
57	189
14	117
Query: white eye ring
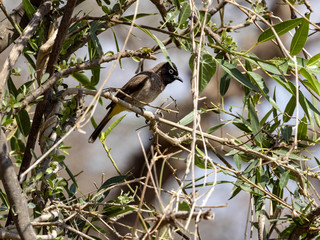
171	71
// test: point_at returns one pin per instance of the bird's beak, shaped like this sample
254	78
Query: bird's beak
178	78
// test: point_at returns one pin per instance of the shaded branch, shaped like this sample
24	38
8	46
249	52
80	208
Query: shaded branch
18	202
307	221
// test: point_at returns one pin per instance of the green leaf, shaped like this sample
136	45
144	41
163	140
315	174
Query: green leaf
314	61
242	127
158	41
284	179
238	161
269	67
260	82
207	69
224	83
185	13
183	206
306	104
303	129
12	88
254	122
29	8
236	74
95	51
288	112
312	82
44	77
188	118
109	129
82	78
108	183
286	132
299	39
140	15
4	199
72	177
280	28
23	122
214	128
316	116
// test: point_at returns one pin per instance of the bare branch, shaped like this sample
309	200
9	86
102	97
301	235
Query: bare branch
21	43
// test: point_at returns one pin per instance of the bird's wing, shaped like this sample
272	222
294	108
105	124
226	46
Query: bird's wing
135	84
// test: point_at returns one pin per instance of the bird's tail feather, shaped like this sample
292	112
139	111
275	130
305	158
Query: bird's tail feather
99	128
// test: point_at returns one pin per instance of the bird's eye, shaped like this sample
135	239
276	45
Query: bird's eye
171	71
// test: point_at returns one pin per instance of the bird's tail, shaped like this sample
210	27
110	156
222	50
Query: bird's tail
99	128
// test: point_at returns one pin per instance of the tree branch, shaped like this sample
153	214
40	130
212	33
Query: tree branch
13	190
307	221
8	33
21	43
86	65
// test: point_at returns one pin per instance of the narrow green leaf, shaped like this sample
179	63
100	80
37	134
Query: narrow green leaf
158	41
274	112
140	15
305	104
109	129
288	112
242	127
95	51
224	83
284	179
215	128
238	161
314	61
4	199
162	47
299	39
23	122
316	116
280	28
72	177
29	8
303	129
236	74
236	189
313	83
254	122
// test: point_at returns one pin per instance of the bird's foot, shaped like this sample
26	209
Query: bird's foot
142	110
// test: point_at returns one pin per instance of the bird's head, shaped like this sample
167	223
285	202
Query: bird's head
169	73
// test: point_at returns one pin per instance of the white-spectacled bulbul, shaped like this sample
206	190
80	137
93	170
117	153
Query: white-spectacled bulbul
144	87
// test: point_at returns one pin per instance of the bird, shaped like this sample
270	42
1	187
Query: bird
143	87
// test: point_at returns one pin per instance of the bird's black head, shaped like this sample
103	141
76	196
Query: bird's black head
169	73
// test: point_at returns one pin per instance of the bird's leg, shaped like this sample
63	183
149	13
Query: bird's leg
142	110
